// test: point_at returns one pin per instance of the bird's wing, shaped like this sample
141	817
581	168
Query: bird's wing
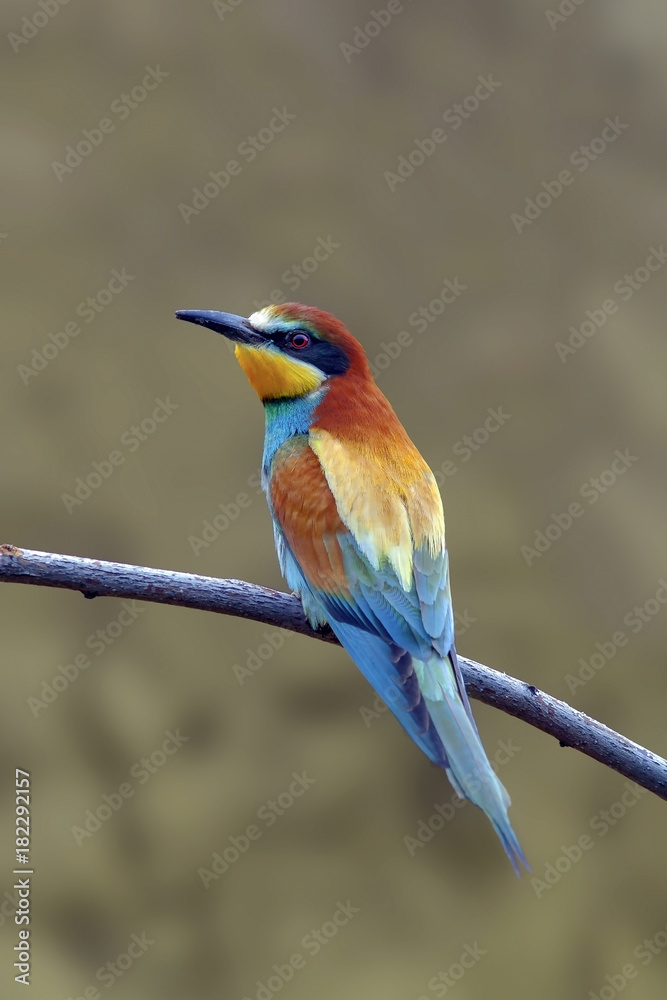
346	544
364	542
367	537
373	618
396	561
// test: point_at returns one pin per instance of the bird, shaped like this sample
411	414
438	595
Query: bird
360	533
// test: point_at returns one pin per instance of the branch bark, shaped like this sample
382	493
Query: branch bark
95	578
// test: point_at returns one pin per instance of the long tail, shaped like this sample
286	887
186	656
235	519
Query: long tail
468	768
430	702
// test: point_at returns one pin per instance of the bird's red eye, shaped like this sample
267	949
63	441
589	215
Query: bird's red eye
299	340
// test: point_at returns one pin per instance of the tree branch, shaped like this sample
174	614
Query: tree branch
95	578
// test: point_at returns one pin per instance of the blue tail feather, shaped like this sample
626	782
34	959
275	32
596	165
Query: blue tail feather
373	656
427	702
468	766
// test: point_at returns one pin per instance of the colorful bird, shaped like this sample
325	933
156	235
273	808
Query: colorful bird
360	532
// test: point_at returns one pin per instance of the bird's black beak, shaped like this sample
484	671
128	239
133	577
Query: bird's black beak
235	328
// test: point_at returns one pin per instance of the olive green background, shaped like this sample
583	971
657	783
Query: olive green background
323	176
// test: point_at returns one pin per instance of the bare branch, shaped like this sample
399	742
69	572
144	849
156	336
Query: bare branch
95	578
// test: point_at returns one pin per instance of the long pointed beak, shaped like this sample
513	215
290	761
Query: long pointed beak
235	328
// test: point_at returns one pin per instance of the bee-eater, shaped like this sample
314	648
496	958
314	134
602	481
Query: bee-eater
360	531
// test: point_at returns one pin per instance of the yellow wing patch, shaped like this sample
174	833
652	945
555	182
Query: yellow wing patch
275	376
389	502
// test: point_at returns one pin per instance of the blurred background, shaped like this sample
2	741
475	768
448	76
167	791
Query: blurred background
485	182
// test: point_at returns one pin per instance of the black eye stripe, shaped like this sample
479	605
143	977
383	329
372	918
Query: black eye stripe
323	355
284	336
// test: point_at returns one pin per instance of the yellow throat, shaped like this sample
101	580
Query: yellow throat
275	376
